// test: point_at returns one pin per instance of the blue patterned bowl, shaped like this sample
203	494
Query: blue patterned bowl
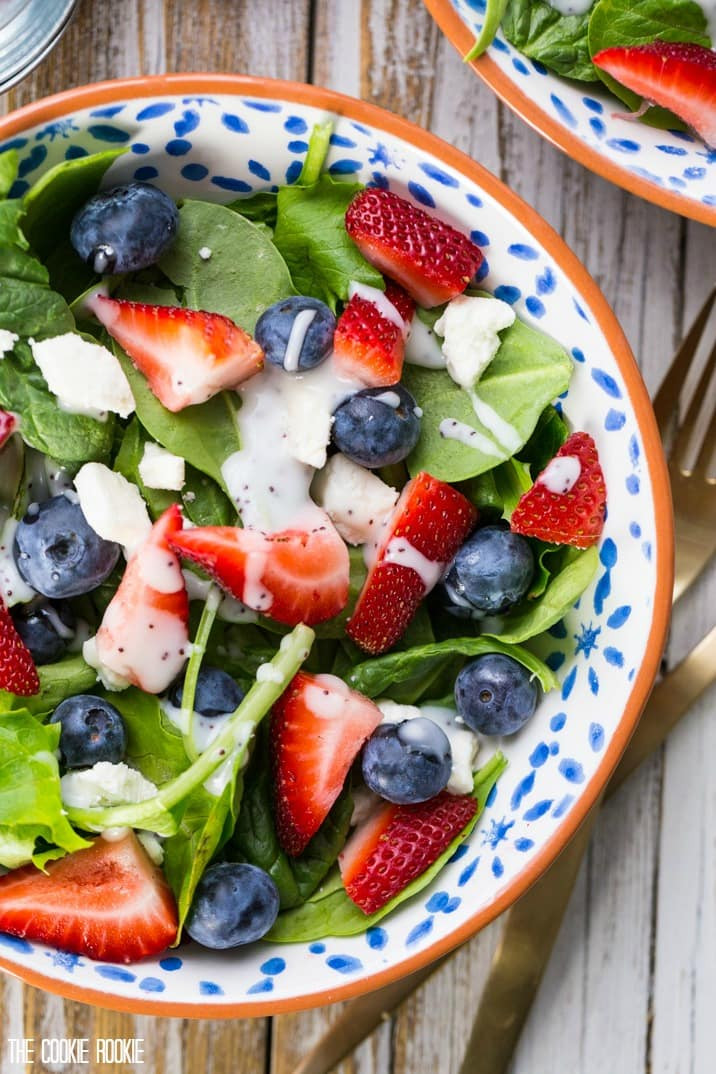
671	168
219	136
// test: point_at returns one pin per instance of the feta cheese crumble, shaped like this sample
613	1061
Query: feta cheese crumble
85	377
7	341
469	328
105	784
112	505
355	500
159	469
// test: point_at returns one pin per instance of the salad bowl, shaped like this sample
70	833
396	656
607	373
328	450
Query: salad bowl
214	137
671	168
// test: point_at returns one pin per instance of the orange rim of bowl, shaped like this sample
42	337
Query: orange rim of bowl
198	83
462	38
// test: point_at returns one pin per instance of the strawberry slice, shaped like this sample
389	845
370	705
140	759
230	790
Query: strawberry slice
567	503
427	526
292	576
144	635
18	673
8	425
397	844
186	355
429	258
369	341
318	725
108	902
677	76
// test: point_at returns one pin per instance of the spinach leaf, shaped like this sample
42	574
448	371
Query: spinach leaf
154	744
70	439
329	912
512	480
558	41
54	199
30	803
32	309
204	435
379	676
559	596
69	276
202	499
527	372
205	822
482	491
245	273
311	235
20	265
9	160
637	22
546	440
58	681
260	208
11	213
255	838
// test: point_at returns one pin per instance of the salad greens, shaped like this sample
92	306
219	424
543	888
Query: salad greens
566	43
329	912
217	804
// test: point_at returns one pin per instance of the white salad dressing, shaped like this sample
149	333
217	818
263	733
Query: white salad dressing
571	7
561	474
13	589
381	301
423	346
391	399
452	429
285	425
230	609
297	336
400	550
505	434
222	776
464	745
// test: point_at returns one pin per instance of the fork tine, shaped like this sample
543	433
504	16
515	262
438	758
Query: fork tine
673	382
688	423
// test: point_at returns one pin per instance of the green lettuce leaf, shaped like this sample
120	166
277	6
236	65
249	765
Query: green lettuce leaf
329	912
66	678
9	160
30	802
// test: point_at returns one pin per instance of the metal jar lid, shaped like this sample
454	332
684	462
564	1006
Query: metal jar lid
29	29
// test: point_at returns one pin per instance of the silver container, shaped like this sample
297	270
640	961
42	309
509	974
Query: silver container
29	29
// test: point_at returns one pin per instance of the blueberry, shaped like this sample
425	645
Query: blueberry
45	628
234	904
124	229
495	694
296	333
377	426
490	573
58	553
216	693
407	762
92	731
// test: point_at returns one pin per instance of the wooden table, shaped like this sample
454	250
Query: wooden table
632	985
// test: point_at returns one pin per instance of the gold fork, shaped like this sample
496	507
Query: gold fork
533	923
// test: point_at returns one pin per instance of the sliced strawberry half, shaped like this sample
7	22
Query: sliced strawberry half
567	503
144	635
292	576
8	425
369	341
318	725
397	844
108	902
677	76
18	673
429	258
186	355
427	526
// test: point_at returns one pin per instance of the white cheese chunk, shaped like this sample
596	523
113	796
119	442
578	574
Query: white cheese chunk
105	784
463	742
309	421
85	377
112	505
159	469
7	341
355	499
469	327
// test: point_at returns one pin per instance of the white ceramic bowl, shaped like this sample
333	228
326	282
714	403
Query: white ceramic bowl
215	136
671	168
